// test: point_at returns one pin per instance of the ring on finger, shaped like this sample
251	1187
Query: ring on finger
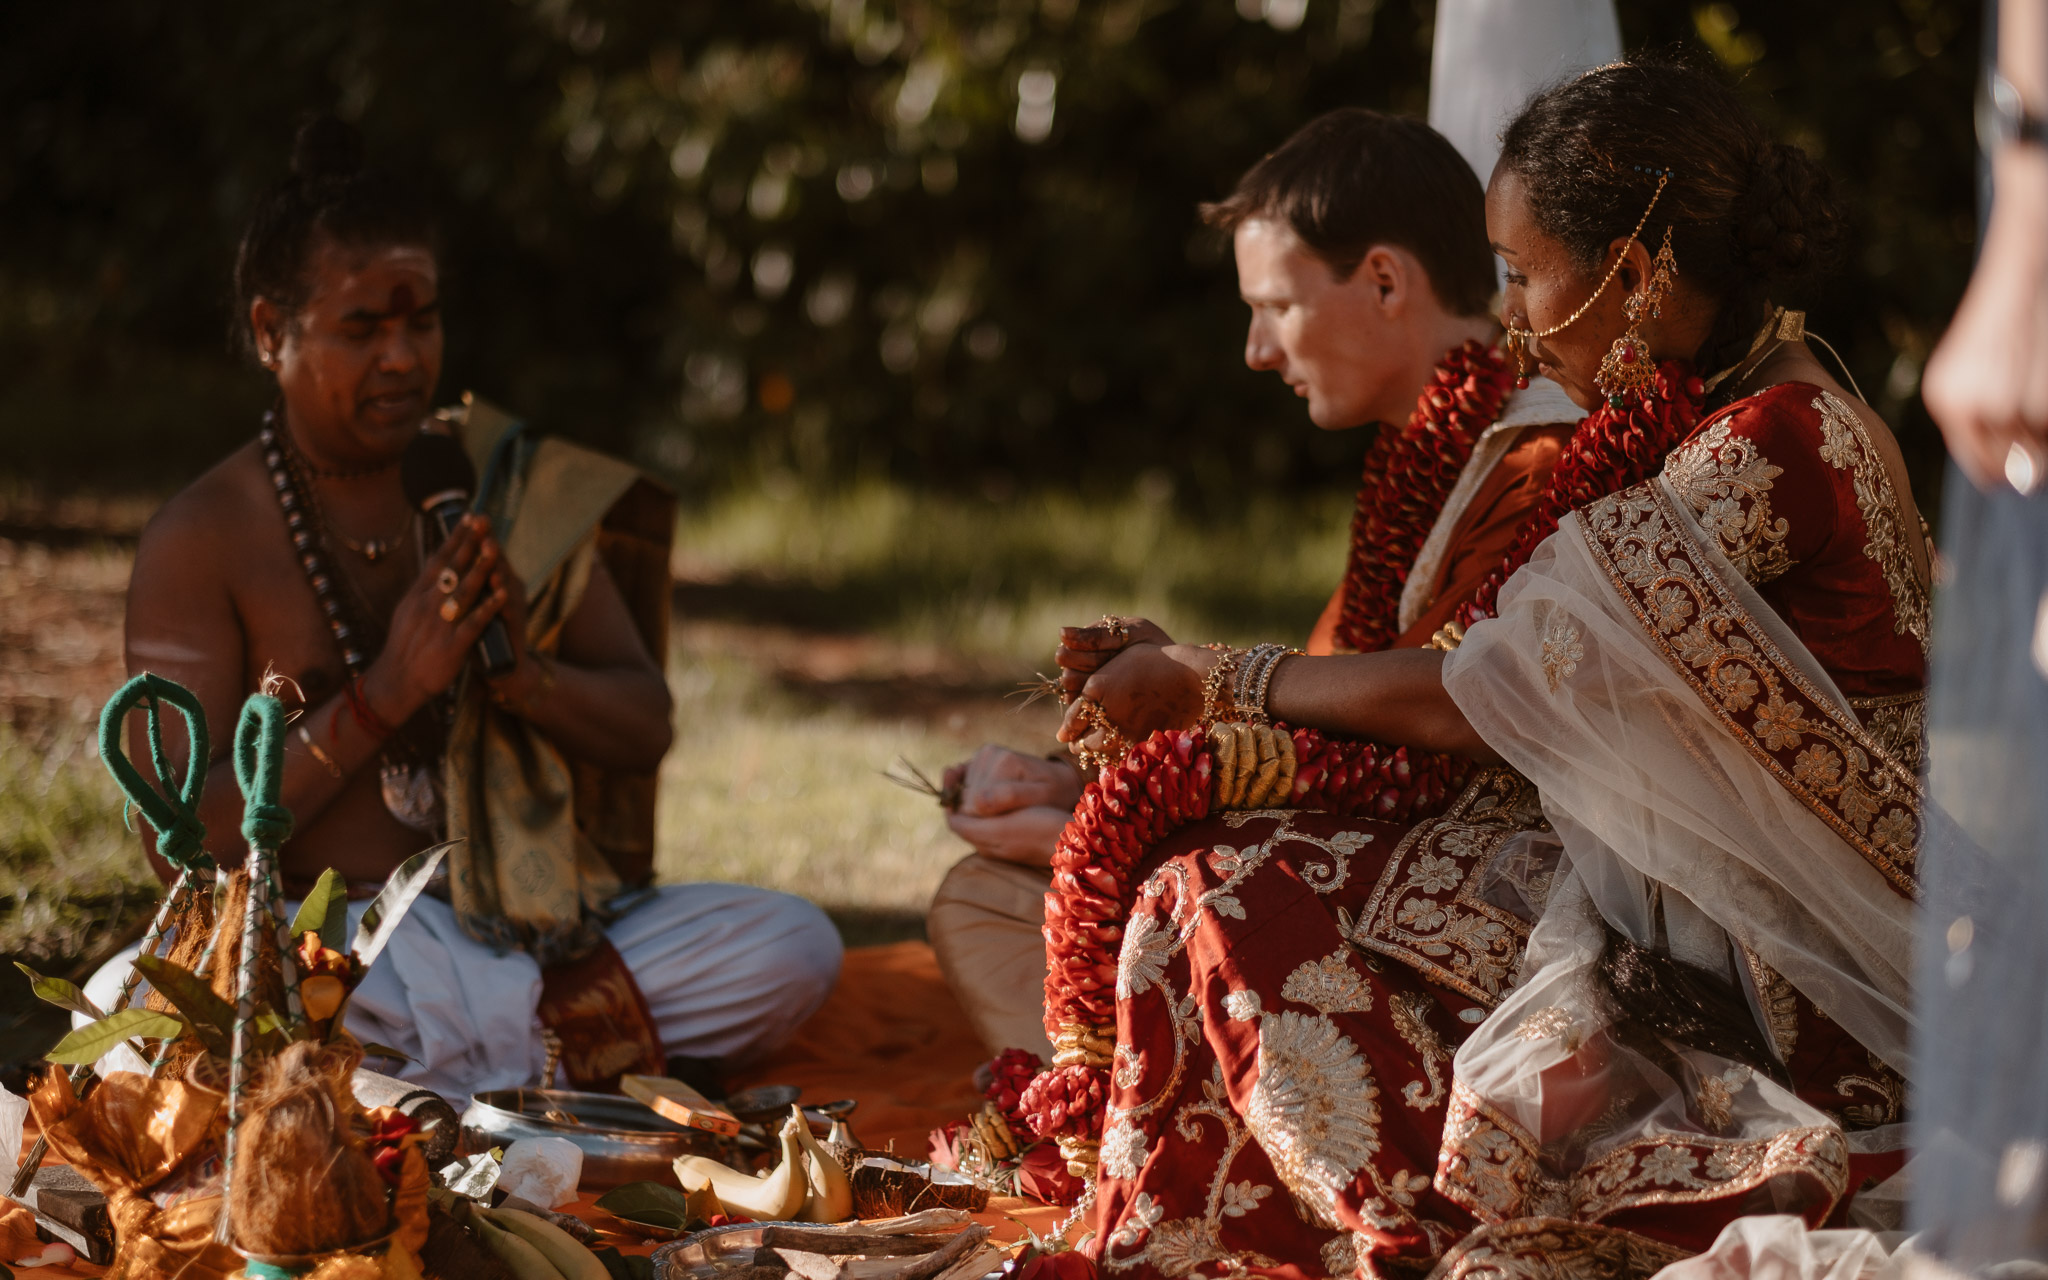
451	610
448	581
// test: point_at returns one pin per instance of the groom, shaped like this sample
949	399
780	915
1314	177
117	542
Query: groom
1362	252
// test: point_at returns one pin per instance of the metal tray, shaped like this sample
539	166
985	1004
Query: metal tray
701	1254
621	1140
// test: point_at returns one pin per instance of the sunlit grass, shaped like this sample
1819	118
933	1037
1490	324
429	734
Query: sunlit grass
995	580
71	874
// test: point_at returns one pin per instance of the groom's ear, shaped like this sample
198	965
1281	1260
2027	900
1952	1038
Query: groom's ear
1389	273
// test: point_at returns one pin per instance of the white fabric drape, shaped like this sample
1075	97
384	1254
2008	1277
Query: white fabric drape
1489	56
1679	835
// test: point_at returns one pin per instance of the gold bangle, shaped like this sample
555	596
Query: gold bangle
1215	705
332	768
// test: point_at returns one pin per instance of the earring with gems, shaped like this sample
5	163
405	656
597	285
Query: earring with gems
1627	368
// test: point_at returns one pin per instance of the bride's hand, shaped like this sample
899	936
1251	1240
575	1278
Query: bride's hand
1084	650
1145	688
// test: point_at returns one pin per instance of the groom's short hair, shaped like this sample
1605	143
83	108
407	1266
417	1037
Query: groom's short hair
1355	178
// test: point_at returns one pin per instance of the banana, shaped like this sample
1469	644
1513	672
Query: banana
774	1197
556	1245
828	1196
525	1261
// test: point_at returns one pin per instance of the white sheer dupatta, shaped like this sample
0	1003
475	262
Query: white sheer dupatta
1716	799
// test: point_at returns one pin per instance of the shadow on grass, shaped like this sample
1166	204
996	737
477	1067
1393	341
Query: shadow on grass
877	926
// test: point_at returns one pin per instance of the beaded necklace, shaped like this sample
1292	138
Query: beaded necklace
405	771
1409	474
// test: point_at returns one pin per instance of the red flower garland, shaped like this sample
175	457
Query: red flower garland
1409	473
1613	449
1164	782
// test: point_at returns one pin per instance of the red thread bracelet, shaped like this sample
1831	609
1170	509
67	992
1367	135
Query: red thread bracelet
366	715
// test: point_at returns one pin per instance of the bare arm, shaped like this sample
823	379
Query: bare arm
1396	697
184	623
604	700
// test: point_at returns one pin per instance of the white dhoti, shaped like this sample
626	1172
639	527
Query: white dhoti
728	972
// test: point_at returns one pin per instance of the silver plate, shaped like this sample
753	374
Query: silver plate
702	1253
621	1140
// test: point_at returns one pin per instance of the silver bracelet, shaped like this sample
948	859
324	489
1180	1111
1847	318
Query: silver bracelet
1265	681
1248	670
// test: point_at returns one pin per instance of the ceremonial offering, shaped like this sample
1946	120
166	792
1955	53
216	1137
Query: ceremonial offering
243	1138
622	1140
935	1245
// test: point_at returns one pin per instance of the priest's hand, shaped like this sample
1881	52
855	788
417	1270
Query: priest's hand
437	622
1141	690
1084	650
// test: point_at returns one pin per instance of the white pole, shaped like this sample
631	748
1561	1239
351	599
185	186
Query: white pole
1491	55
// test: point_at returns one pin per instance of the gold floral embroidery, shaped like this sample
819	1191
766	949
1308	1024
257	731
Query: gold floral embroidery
1846	444
1780	1001
1429	911
1561	651
1314	1110
1647	544
1550	1023
1890	1090
1899	722
1716	1097
1492	1166
1410	1013
1329	985
1554	1249
1727	482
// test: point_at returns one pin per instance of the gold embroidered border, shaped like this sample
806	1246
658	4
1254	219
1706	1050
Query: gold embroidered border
1491	1166
1727	483
1555	1249
1899	722
1650	553
1845	443
1427	910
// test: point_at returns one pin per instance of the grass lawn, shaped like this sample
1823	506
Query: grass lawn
817	640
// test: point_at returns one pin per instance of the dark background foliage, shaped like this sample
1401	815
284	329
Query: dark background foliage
804	238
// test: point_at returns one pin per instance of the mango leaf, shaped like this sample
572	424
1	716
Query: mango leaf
656	1205
325	910
388	908
192	995
90	1043
65	995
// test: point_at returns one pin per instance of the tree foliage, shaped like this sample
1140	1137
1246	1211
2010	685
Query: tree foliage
952	241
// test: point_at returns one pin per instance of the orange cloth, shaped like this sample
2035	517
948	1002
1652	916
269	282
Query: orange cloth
1479	540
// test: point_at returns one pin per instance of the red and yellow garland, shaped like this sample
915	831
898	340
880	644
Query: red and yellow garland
1166	782
1409	475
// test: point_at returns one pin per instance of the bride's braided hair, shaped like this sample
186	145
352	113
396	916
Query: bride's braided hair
1747	213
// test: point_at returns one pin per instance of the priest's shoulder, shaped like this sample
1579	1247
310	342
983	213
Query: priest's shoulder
216	518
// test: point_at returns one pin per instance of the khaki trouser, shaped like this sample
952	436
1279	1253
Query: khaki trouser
985	924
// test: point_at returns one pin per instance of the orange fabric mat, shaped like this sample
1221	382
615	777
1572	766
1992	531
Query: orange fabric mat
891	1036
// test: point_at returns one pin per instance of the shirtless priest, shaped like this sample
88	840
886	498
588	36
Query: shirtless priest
1362	252
299	554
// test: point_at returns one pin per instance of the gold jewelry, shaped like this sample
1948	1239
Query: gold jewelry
1783	325
1518	339
333	769
451	610
1215	706
448	581
1627	368
1114	745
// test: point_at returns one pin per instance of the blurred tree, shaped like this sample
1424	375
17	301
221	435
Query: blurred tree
948	240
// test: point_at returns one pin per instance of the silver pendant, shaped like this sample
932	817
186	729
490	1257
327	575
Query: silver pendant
412	795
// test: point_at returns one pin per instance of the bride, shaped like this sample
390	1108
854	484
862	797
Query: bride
1648	970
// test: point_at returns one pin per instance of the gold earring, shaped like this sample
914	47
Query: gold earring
1627	368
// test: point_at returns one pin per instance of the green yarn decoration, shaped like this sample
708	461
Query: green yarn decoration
174	810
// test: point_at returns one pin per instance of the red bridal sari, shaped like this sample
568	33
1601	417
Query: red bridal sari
1339	1045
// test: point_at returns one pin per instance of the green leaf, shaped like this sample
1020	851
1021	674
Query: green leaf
381	918
192	994
371	1049
88	1044
325	910
655	1205
65	995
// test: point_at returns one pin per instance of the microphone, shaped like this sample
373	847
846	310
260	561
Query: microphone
438	476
